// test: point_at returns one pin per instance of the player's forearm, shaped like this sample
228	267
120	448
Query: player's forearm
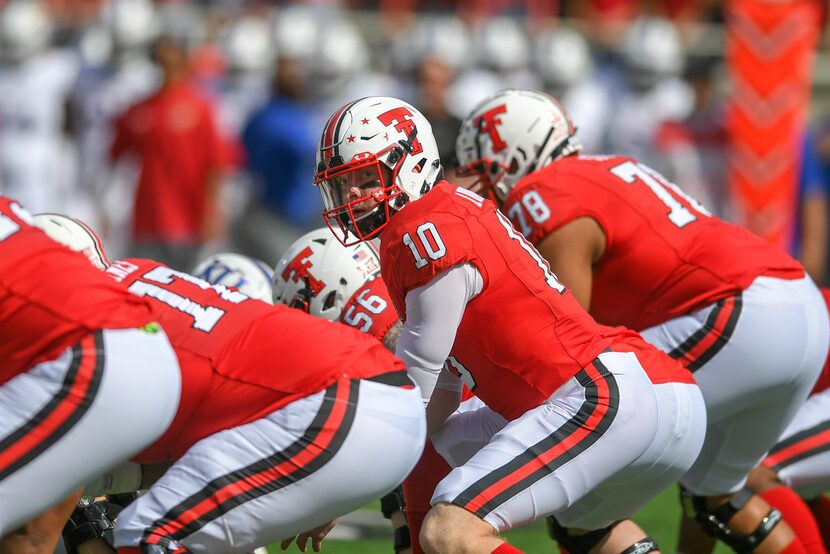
441	406
434	313
421	370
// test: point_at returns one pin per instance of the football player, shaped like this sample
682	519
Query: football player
249	276
82	359
320	276
267	418
582	421
637	251
361	299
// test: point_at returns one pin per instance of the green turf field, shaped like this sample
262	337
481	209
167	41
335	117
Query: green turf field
659	518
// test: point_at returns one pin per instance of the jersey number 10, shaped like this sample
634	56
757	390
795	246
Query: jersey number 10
434	247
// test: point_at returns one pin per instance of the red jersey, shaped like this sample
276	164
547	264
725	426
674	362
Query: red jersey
241	358
823	382
665	255
524	334
370	309
50	296
175	135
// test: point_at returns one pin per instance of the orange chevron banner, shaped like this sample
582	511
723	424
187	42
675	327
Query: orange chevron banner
770	48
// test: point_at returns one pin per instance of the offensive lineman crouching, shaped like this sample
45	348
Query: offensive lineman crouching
267	419
320	276
636	250
81	359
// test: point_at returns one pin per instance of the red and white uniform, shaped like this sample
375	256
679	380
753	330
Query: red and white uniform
76	367
557	385
663	249
265	406
801	458
732	308
370	309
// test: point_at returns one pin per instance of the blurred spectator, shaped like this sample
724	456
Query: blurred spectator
35	160
502	49
693	151
174	135
434	80
248	50
813	229
341	68
280	141
564	61
446	37
116	73
649	92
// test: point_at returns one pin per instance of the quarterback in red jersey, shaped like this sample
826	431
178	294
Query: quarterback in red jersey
264	407
637	251
582	421
82	359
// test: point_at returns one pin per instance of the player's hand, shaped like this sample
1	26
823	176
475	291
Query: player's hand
316	535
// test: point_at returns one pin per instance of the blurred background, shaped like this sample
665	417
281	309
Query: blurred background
178	129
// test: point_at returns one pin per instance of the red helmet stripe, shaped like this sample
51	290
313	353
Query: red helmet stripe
332	129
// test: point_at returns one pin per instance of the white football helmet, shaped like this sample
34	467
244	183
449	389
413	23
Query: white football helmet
249	276
510	134
375	155
75	235
319	275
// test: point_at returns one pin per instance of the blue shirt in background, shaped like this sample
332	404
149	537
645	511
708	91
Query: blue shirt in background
280	142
